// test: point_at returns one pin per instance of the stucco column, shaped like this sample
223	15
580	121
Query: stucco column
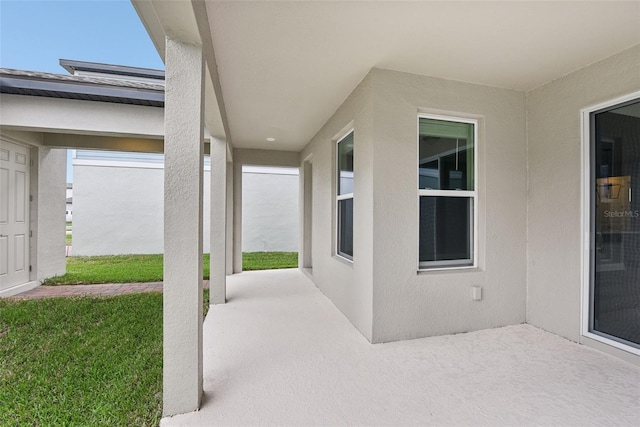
229	234
218	265
48	218
183	182
306	215
237	218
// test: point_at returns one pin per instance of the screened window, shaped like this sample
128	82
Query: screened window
446	188
345	197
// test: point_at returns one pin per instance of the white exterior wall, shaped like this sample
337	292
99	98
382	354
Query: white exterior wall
347	285
411	304
81	117
118	209
51	203
269	209
382	292
554	199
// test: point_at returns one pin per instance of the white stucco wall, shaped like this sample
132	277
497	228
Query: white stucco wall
51	203
269	209
382	292
554	199
119	210
347	285
408	304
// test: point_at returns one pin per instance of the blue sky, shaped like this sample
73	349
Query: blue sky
34	35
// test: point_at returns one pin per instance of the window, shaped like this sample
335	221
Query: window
447	192
345	197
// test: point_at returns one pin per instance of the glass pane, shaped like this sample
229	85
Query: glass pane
446	155
345	165
345	227
616	218
446	225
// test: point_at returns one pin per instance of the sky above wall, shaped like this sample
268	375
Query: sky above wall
34	35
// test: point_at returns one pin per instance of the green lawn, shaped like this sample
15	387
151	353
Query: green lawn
68	239
148	268
269	260
92	360
112	269
81	361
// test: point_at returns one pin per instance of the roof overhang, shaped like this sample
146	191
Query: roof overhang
18	82
119	70
285	67
187	21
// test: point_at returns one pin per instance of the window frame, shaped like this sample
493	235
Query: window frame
587	236
427	266
339	197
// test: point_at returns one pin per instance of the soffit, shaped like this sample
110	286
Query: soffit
285	67
181	20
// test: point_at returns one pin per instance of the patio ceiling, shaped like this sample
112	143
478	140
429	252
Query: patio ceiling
285	67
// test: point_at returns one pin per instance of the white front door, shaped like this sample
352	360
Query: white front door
14	215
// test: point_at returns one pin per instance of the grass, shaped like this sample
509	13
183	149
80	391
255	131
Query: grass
81	361
68	238
115	269
269	260
89	360
148	268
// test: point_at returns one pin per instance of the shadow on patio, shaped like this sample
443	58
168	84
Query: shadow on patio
280	353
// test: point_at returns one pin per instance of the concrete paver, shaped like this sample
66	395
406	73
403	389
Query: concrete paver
106	289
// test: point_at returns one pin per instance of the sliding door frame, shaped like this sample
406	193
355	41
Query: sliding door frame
588	223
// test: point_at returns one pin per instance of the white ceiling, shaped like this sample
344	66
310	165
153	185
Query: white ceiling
285	67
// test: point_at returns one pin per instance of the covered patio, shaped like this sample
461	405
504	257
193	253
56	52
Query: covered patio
279	353
455	202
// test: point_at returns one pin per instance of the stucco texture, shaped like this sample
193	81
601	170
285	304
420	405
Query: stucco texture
269	211
51	203
348	285
119	210
554	191
408	304
403	302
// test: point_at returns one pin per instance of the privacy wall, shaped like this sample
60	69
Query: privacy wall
118	209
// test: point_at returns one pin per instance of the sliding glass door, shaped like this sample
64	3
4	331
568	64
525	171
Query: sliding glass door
614	310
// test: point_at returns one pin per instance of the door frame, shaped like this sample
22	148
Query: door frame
31	281
586	234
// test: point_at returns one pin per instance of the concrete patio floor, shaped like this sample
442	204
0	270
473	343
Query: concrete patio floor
279	353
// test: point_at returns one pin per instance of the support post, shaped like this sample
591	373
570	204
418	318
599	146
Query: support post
183	183
218	265
237	218
306	202
230	210
49	186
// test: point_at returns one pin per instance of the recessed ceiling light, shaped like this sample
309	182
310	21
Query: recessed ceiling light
271	139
